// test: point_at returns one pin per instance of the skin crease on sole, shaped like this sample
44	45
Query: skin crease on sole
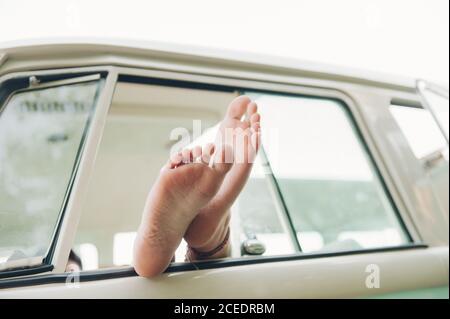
191	198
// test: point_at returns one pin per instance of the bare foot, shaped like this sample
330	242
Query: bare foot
186	184
210	226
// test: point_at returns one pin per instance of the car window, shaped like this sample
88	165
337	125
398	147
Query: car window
41	134
136	143
329	190
420	129
330	186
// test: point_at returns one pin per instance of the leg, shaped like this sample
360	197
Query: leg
185	184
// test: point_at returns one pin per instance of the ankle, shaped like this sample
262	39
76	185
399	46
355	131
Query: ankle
220	249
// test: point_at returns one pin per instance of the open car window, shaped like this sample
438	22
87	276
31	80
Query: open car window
436	101
42	130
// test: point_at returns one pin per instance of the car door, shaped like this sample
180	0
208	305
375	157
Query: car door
321	202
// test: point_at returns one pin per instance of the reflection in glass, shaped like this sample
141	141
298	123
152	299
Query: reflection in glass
328	182
40	138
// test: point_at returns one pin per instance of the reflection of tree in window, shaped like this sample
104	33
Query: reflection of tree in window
40	133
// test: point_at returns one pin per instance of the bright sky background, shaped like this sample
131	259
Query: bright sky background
405	37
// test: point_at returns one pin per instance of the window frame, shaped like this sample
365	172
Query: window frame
210	82
126	272
55	255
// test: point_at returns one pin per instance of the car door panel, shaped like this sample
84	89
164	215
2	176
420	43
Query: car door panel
327	277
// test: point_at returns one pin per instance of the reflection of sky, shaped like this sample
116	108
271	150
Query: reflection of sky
420	130
310	139
313	138
307	139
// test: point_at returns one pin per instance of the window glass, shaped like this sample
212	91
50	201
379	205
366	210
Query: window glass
440	106
258	215
329	184
420	129
41	132
143	124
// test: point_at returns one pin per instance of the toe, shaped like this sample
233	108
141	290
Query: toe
255	119
223	160
256	140
238	107
197	154
256	127
175	160
187	155
208	151
252	108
